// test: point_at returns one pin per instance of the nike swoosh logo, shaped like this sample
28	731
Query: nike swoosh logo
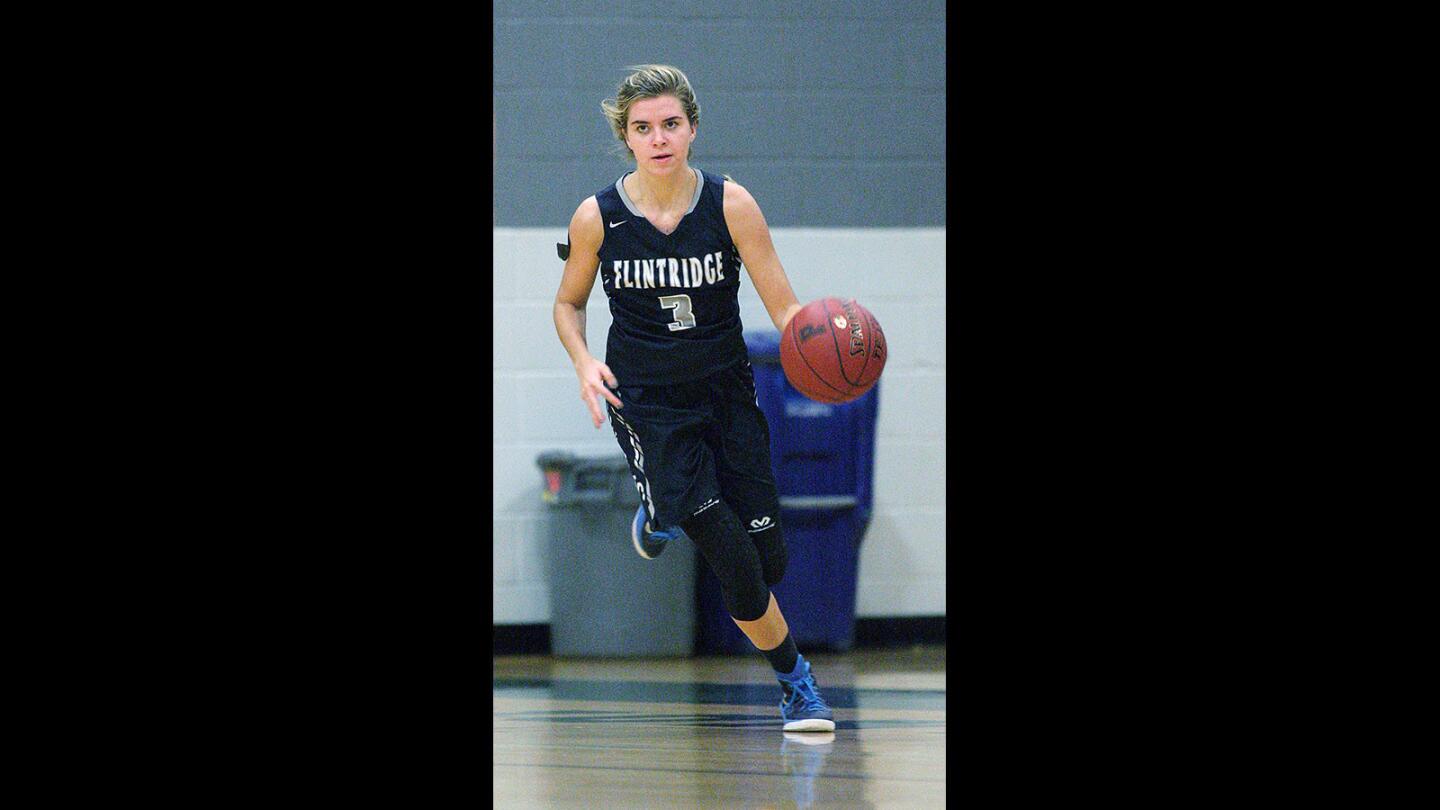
618	224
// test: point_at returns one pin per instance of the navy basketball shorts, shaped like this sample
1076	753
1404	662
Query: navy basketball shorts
696	444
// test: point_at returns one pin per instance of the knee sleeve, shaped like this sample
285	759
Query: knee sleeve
723	543
771	545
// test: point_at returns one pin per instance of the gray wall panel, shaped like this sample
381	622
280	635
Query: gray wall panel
796	98
927	10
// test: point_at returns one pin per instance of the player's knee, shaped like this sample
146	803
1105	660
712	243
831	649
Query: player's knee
747	599
773	556
737	564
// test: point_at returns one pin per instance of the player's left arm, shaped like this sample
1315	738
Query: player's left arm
752	238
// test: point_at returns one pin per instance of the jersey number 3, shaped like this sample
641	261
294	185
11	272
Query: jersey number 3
684	318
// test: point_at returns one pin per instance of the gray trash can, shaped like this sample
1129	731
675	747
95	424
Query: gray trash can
605	599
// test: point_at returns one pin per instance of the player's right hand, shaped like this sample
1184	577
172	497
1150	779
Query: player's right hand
594	376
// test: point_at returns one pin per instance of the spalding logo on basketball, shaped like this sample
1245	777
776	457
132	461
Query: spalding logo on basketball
833	350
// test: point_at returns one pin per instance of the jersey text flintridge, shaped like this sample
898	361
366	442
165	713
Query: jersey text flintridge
649	274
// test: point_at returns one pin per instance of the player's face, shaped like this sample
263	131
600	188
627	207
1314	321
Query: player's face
659	134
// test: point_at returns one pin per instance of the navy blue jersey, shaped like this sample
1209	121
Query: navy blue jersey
673	297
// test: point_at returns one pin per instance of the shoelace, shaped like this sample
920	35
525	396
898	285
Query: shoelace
810	695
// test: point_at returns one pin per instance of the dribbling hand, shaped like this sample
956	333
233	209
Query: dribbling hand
594	376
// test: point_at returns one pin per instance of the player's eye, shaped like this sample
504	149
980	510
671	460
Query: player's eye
672	124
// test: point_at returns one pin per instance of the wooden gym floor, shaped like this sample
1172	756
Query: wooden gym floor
705	732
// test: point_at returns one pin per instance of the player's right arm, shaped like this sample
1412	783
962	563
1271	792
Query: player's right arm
587	231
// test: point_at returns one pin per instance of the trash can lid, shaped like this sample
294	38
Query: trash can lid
763	346
555	460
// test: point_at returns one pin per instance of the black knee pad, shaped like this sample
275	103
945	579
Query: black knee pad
771	545
722	541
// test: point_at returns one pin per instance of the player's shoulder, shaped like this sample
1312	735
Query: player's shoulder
588	210
586	223
737	196
588	213
739	205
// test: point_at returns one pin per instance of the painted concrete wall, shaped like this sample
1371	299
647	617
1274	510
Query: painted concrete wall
895	273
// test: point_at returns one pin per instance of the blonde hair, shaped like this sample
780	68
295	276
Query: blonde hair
649	81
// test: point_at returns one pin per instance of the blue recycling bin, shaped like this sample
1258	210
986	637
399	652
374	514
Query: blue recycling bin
824	458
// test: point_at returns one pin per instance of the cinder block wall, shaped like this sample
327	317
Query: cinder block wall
832	114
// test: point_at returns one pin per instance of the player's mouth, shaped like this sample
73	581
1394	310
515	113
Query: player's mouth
662	158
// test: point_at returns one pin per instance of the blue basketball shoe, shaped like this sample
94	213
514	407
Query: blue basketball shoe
801	706
649	544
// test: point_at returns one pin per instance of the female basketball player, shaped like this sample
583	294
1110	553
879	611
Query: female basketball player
667	240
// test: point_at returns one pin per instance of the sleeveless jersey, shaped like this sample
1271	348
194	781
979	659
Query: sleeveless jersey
673	298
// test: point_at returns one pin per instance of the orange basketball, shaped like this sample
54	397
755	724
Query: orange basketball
833	350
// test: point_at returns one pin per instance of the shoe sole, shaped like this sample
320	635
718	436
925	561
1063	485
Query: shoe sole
809	737
635	539
812	724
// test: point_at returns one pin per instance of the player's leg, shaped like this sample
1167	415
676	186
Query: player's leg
801	706
647	534
740	438
717	532
658	430
664	435
662	431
